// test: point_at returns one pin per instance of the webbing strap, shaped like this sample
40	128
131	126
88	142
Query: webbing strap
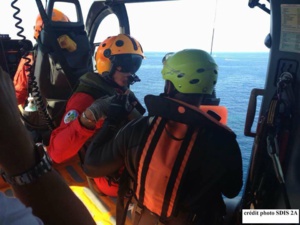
174	174
279	111
137	214
148	157
273	110
42	12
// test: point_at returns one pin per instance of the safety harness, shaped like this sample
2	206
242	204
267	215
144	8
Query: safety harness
170	155
165	153
272	139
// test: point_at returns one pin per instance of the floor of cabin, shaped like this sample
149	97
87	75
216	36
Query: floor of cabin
102	208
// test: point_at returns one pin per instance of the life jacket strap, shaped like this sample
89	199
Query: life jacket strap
137	214
144	216
148	216
139	209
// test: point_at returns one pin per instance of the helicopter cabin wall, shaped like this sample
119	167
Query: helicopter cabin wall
285	57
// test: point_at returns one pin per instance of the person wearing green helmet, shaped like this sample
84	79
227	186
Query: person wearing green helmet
191	71
179	161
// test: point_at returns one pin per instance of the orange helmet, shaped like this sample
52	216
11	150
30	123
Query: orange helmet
56	16
119	51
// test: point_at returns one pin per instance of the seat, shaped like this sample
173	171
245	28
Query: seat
57	67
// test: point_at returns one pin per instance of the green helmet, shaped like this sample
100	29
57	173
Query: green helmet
191	71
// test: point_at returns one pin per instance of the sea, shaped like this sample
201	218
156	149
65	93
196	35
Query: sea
239	73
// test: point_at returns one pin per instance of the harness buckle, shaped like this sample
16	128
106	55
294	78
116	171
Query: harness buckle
138	209
193	218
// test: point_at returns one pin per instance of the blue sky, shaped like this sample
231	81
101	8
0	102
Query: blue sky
173	25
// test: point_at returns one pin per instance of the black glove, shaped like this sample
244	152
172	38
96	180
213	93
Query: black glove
100	107
119	108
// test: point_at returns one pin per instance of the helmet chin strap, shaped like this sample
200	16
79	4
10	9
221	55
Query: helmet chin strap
108	76
131	80
169	89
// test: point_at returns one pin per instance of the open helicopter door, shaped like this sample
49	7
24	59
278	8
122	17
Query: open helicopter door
273	176
63	54
99	11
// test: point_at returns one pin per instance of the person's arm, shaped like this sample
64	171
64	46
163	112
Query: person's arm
103	155
233	181
49	196
74	130
21	80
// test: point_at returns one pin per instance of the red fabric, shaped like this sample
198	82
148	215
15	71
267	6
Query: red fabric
68	138
105	188
21	81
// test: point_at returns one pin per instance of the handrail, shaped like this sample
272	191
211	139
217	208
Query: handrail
251	111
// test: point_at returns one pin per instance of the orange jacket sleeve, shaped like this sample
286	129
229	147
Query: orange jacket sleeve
21	80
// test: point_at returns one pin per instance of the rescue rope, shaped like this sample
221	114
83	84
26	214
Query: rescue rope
272	140
213	30
280	112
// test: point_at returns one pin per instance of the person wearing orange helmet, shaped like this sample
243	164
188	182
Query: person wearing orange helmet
56	16
21	75
118	58
21	78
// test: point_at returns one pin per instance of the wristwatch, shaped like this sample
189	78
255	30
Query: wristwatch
43	166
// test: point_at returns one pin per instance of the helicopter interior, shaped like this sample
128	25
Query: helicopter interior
272	180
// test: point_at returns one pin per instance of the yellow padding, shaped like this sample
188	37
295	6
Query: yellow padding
99	211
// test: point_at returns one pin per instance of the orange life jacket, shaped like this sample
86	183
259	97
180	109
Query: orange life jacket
167	149
162	165
221	111
165	154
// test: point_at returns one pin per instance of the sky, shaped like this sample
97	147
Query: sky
172	25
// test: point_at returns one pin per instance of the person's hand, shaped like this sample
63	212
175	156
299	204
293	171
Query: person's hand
119	108
99	108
